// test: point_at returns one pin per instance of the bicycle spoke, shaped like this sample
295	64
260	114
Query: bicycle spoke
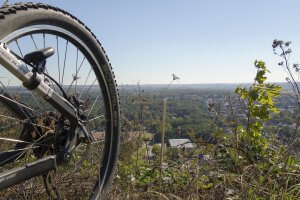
58	65
19	154
16	41
33	41
19	107
75	78
34	99
13	99
32	145
63	74
24	121
79	163
85	82
76	69
19	104
91	86
20	141
93	105
80	65
100	116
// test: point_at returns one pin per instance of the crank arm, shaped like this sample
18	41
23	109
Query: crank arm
35	82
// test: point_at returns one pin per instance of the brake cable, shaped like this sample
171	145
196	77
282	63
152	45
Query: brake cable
47	75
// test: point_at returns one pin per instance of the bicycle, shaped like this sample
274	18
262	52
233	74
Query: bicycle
59	120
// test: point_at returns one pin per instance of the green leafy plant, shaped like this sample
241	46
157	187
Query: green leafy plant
259	99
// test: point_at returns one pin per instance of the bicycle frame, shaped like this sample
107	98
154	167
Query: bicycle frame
43	165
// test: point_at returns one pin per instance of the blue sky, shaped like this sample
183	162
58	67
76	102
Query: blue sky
200	41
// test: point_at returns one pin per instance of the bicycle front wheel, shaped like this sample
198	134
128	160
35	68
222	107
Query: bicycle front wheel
82	69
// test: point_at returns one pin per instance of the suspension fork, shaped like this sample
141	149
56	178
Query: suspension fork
34	81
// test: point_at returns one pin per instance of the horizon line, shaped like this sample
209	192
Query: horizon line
120	84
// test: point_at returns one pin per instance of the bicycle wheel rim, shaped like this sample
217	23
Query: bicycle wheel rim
55	30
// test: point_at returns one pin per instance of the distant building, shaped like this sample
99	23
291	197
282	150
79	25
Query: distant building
181	143
98	135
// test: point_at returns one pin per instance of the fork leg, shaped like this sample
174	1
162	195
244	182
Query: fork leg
35	82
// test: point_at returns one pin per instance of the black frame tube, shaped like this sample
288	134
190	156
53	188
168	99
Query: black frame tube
28	171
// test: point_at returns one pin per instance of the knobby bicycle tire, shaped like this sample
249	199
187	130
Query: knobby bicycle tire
23	15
